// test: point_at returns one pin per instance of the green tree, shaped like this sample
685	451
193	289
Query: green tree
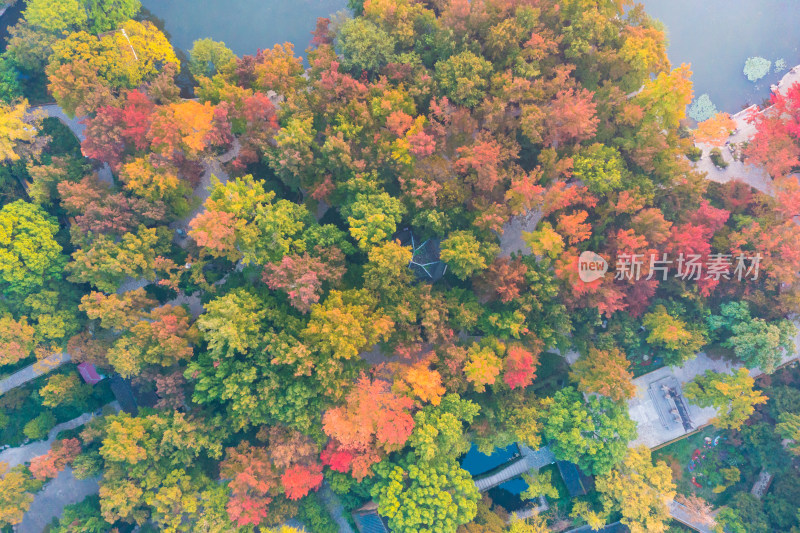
731	394
10	82
600	168
426	490
754	340
64	389
373	218
743	514
387	273
593	434
420	497
150	466
539	484
106	15
256	375
364	46
439	430
241	221
465	255
232	323
106	263
464	78
97	16
789	428
56	16
82	517
207	57
483	365
345	324
39	427
29	253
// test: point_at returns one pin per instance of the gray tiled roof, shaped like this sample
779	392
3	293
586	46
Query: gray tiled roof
370	522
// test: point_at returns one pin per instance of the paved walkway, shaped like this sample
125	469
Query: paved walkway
335	508
49	503
33	371
57	493
24	454
77	127
530	460
75	124
511	240
753	175
131	284
213	167
679	513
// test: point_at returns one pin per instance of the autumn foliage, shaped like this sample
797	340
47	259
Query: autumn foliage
374	421
60	455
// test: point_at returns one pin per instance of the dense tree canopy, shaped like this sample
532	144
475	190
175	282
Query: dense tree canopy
640	490
29	253
351	267
593	434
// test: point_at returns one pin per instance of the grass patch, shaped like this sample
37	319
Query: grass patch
711	460
563	501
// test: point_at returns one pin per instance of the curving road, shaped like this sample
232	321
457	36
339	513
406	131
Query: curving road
76	126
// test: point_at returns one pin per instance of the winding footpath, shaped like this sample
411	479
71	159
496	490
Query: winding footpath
57	493
26	452
33	371
78	128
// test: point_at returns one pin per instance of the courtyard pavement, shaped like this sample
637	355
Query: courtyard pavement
644	410
49	503
511	240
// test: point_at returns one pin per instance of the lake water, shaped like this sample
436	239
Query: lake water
715	36
245	26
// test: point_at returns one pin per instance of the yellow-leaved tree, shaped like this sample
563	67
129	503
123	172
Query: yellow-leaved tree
17	129
731	394
640	490
715	130
15	494
123	58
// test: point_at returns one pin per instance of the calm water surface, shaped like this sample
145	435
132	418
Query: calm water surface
715	36
245	26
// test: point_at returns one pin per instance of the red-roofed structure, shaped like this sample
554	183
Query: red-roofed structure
89	373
